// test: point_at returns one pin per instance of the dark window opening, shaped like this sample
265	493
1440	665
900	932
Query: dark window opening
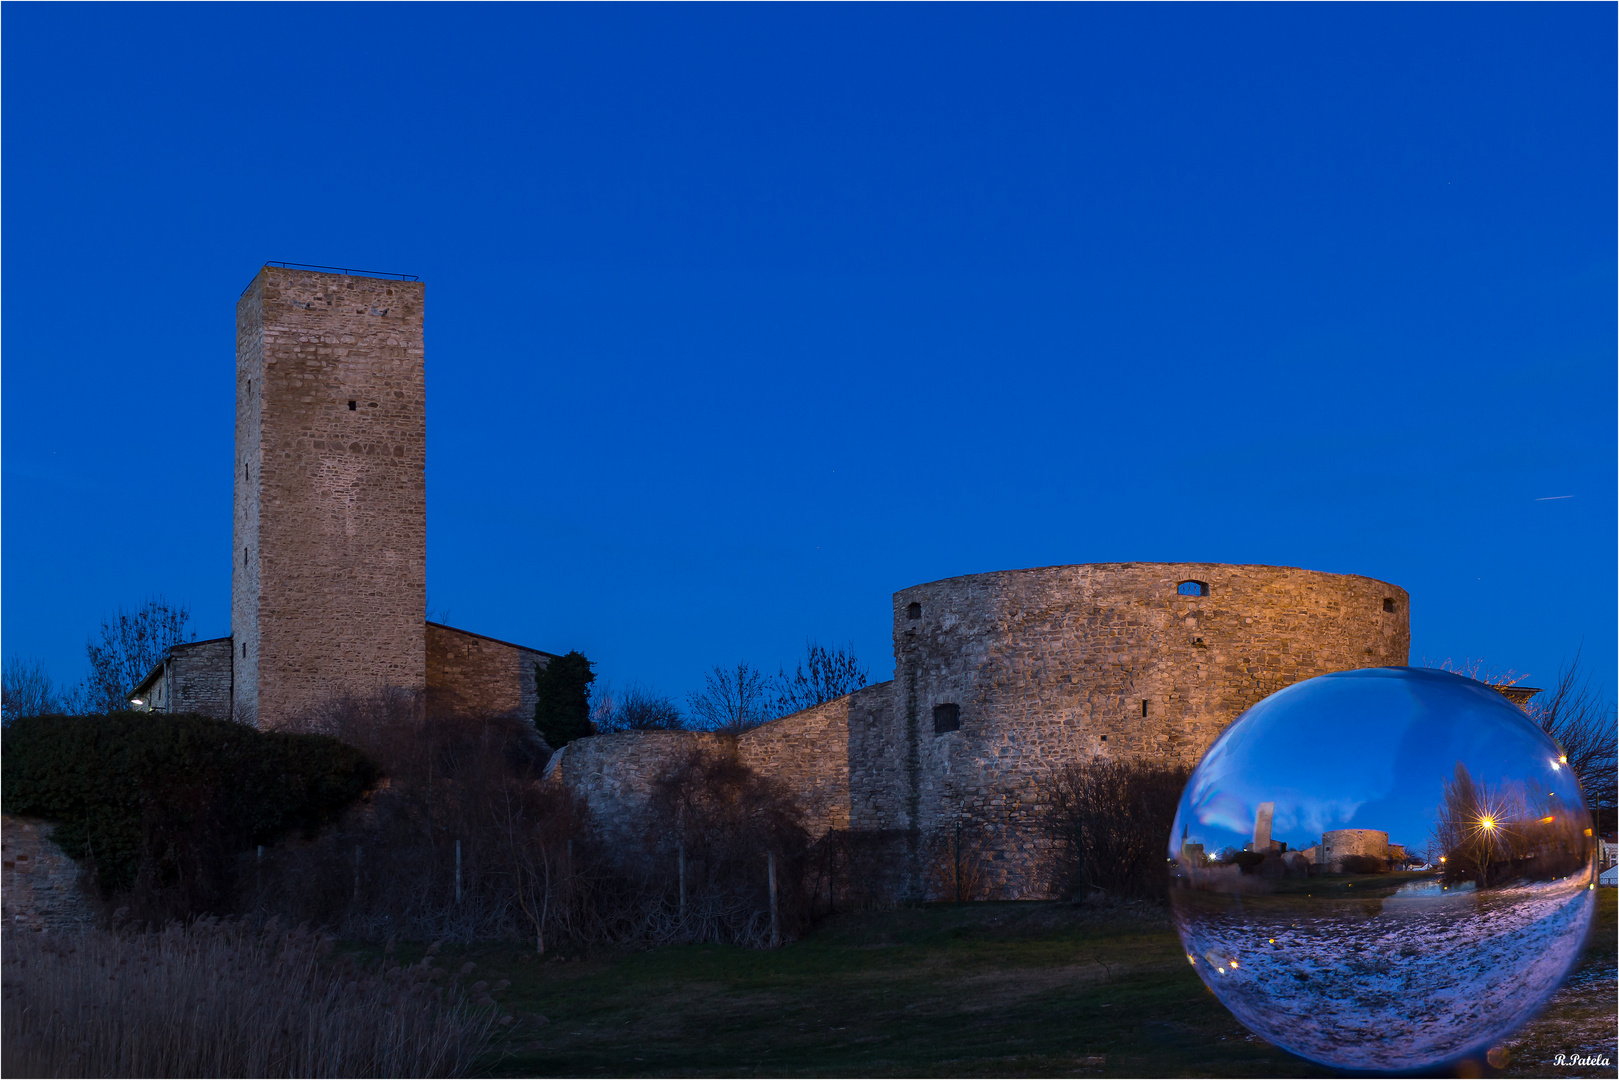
1197	643
914	611
244	556
946	718
1143	706
244	473
1193	588
1104	738
353	405
250	388
1388	603
244	650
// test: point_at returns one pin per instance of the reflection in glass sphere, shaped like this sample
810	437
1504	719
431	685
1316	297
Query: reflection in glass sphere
1383	869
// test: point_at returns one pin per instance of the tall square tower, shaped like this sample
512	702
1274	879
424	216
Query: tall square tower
329	589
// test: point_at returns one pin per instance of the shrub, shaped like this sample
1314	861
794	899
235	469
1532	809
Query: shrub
1363	864
723	823
226	999
562	708
169	800
1248	861
1107	824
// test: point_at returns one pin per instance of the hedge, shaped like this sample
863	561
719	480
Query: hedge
175	796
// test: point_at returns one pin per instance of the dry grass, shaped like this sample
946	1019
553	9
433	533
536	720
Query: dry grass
226	999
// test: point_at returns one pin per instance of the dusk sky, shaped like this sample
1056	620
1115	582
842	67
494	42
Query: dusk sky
740	318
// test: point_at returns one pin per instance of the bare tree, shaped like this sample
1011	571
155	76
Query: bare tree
825	674
636	709
27	690
733	700
129	646
1581	722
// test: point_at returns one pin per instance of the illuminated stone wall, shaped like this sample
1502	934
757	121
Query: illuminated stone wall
1073	663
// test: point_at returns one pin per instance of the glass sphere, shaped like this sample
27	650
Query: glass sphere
1383	869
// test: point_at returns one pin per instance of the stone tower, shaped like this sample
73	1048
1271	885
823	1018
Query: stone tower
329	587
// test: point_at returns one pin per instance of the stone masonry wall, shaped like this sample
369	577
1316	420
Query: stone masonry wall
39	886
1072	663
808	754
329	582
614	774
469	674
197	679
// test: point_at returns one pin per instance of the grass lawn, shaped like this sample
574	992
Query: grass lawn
1015	989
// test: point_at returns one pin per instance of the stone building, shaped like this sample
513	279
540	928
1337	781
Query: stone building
1001	678
329	564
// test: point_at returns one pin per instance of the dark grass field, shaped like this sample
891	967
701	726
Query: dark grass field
982	990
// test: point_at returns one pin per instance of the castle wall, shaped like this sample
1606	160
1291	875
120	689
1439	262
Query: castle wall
614	773
468	673
808	754
38	884
329	587
1068	664
1340	844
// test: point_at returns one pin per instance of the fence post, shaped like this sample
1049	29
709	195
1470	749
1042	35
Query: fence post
1079	854
258	877
458	872
682	859
775	927
356	874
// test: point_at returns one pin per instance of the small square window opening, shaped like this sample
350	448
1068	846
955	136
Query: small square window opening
914	611
1193	588
353	405
1388	603
946	717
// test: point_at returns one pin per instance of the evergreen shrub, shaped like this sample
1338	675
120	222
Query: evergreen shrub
171	799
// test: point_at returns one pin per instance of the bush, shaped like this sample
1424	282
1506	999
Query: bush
1363	864
225	999
723	823
562	708
1248	861
1107	824
167	801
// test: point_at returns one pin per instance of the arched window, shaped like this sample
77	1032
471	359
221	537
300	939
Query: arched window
1193	588
946	717
1388	604
914	611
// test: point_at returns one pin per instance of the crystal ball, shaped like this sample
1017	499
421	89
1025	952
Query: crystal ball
1383	869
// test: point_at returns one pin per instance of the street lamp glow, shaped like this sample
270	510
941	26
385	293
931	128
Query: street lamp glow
1488	823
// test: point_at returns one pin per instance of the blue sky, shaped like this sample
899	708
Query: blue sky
742	317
